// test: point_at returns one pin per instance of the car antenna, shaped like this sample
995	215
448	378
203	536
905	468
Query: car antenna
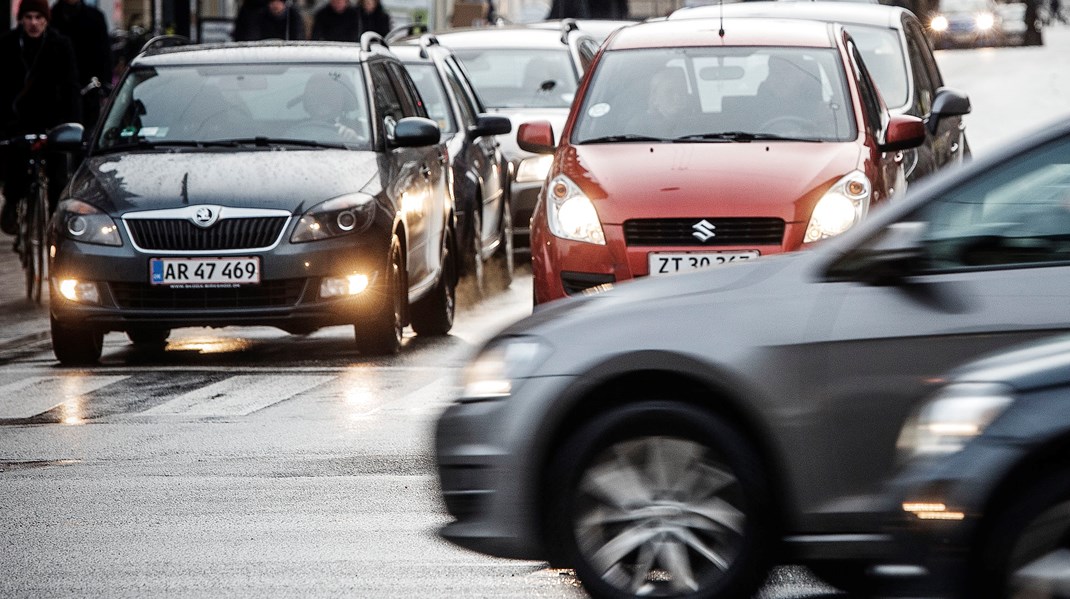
720	32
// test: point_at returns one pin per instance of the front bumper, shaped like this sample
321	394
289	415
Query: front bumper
287	296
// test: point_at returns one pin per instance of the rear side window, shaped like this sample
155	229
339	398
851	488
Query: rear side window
387	104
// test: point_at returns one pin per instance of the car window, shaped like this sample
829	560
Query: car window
387	103
668	93
461	75
521	78
411	102
882	52
924	90
1016	214
465	101
238	101
925	51
587	49
427	81
870	100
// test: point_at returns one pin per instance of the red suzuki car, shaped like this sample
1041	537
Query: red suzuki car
690	146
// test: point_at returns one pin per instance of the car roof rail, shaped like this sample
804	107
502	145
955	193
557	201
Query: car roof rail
165	41
371	37
426	41
568	26
404	31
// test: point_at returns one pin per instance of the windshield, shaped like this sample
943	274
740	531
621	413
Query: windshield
883	54
963	5
692	93
189	105
430	87
521	78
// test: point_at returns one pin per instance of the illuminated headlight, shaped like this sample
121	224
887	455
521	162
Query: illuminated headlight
496	369
985	21
841	208
340	286
571	214
939	23
956	415
340	216
84	292
534	169
86	223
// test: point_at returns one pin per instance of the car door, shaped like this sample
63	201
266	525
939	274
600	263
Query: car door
887	174
993	270
947	144
485	155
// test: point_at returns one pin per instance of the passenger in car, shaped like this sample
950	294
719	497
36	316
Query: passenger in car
327	101
669	107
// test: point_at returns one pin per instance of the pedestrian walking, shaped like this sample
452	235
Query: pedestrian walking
38	90
279	20
373	17
88	32
247	15
337	21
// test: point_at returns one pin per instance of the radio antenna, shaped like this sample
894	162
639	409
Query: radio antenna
720	4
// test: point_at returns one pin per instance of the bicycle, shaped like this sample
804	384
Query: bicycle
33	213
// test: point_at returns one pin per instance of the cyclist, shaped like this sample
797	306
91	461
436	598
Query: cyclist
38	90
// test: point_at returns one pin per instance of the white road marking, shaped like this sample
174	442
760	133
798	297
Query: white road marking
38	394
239	395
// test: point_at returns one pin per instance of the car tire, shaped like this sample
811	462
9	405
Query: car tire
1028	539
473	255
76	346
380	332
661	498
149	338
433	315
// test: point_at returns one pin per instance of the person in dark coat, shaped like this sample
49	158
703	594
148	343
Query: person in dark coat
247	15
373	17
88	32
338	21
279	20
589	9
38	90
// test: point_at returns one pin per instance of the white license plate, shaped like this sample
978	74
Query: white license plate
664	263
205	272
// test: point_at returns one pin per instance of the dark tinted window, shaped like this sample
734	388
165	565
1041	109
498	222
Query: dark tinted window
437	103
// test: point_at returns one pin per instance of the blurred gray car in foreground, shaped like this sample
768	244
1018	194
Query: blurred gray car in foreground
677	436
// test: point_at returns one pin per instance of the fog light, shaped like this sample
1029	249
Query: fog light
79	291
348	285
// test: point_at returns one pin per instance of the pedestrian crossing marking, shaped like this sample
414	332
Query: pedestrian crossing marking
239	395
38	394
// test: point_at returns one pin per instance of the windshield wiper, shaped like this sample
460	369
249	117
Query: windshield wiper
261	141
140	143
609	139
741	137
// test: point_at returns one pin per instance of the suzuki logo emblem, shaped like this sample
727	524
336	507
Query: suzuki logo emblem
205	217
703	230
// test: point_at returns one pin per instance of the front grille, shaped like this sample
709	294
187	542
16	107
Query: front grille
725	231
270	294
227	234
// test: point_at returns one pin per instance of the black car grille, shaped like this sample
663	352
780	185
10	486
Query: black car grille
226	234
270	294
725	231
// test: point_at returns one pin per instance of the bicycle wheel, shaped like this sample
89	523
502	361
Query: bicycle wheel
35	263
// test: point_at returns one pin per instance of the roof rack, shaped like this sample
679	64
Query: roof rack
568	26
405	31
165	41
426	41
370	37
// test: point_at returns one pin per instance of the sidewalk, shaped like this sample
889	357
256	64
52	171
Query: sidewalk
20	320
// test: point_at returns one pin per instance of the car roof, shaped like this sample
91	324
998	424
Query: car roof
877	15
738	32
266	52
503	37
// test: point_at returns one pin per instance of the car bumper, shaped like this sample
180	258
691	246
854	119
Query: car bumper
287	296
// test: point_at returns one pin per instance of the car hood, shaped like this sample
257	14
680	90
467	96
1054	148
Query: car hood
287	180
685	180
519	116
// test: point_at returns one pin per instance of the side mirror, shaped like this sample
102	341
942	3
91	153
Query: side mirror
903	132
414	131
536	137
68	137
488	125
887	259
948	102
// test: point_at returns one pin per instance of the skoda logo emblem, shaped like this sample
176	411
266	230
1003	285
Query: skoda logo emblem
205	217
703	230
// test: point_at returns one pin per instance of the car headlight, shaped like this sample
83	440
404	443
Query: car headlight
957	414
841	208
86	223
939	23
571	214
341	216
534	169
985	21
493	373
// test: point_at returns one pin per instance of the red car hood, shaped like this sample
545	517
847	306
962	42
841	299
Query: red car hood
781	179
